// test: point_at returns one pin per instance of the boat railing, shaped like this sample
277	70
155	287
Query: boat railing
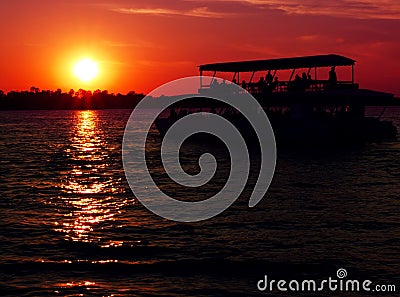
289	86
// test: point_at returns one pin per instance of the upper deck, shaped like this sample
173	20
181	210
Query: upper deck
309	80
303	78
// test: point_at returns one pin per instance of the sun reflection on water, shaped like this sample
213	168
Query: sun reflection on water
91	191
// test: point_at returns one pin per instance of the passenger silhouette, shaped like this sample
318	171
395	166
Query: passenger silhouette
298	84
269	77
261	84
214	83
275	84
332	76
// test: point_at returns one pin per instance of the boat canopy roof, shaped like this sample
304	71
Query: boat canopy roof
280	64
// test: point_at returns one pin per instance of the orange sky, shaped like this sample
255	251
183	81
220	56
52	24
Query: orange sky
142	44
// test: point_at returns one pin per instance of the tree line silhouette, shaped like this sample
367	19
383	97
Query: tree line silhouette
73	100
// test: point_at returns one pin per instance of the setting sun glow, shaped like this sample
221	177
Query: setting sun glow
86	70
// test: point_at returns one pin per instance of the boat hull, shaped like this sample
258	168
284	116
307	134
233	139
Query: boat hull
312	132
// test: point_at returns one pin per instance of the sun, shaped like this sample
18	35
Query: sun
86	70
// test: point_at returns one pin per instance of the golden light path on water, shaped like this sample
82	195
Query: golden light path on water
90	188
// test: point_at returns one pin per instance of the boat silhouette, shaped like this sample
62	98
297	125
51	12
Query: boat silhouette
302	110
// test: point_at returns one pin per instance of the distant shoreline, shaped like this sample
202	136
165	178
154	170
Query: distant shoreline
36	99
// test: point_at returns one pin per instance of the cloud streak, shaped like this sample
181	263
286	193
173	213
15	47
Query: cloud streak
356	9
200	12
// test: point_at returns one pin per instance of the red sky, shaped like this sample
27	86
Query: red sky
142	44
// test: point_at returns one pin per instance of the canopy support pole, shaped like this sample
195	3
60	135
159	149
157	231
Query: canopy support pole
252	76
212	80
382	112
291	76
234	76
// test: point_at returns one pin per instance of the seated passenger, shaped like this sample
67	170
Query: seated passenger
298	84
275	84
214	83
305	82
261	84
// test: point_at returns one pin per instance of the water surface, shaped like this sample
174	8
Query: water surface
70	224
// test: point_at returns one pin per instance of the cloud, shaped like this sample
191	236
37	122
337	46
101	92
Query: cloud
358	9
136	43
201	12
308	37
